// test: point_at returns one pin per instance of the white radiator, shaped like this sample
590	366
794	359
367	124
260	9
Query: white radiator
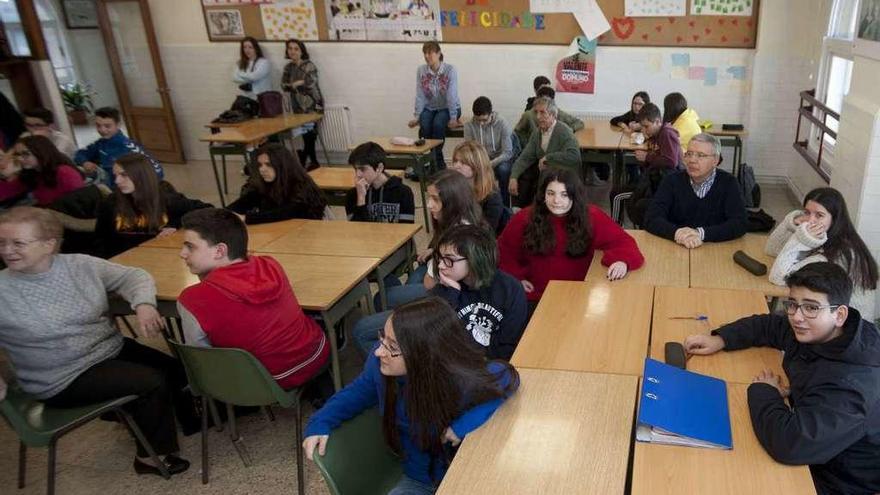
595	115
335	128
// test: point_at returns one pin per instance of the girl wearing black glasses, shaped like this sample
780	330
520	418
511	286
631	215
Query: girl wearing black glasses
432	387
490	303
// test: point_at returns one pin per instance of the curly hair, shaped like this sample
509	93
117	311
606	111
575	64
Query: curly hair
539	237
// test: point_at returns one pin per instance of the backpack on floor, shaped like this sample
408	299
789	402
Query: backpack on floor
748	186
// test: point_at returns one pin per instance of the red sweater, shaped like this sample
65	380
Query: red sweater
250	305
539	269
67	179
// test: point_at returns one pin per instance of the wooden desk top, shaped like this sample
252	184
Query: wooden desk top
317	281
747	469
712	266
722	307
598	135
396	149
258	235
563	432
585	327
666	263
254	130
373	240
339	178
722	133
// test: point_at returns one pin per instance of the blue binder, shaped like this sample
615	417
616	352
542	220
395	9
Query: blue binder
680	407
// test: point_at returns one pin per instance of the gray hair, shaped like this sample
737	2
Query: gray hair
548	104
709	139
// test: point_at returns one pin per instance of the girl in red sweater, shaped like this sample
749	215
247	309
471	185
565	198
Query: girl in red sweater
555	238
46	172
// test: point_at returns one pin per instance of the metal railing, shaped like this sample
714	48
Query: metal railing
809	112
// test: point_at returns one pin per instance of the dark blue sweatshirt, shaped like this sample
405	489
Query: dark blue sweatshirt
368	391
495	316
104	152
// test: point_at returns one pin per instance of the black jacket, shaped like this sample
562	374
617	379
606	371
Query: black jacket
720	213
109	242
391	203
495	213
625	118
494	316
834	420
258	208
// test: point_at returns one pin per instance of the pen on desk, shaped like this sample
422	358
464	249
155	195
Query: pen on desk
697	318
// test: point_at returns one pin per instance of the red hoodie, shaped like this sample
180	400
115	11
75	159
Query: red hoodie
539	269
250	305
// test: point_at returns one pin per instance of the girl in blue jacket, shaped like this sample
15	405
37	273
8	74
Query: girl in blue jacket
423	354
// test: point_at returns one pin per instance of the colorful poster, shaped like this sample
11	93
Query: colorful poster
384	20
655	8
576	73
225	24
722	7
233	2
287	19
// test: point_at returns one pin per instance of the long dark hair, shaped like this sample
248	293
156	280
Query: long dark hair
146	204
292	183
539	237
674	104
445	374
243	60
844	243
640	94
48	157
459	204
302	48
478	246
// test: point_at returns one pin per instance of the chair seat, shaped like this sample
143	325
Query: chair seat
37	424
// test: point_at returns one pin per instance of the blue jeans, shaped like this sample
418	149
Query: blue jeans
432	125
502	175
366	331
409	486
389	281
417	276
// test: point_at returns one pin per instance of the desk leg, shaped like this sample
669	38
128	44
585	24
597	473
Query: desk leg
617	177
323	146
423	172
398	258
334	315
217	179
737	156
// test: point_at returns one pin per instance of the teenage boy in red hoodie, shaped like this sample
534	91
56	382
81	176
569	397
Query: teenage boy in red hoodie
245	301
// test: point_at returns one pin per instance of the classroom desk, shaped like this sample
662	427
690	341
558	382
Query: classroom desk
330	286
421	159
598	141
666	263
733	139
392	243
234	138
712	266
258	235
721	306
337	181
584	327
746	469
562	432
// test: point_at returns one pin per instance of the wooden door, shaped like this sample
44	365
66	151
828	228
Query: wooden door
144	96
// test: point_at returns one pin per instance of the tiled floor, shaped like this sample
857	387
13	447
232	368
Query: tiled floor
98	457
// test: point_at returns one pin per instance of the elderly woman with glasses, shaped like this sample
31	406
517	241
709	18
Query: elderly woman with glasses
65	352
490	303
699	204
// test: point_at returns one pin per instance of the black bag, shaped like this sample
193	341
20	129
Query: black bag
231	117
246	87
759	221
270	104
748	186
247	106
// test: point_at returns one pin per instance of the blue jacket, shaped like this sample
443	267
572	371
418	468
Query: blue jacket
368	391
104	152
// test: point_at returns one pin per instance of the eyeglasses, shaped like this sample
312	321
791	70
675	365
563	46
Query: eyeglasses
809	310
449	261
18	245
391	350
22	154
697	154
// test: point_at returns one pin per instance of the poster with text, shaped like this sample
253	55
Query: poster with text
722	7
384	20
576	73
655	8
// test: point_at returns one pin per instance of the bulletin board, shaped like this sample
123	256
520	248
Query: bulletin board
494	21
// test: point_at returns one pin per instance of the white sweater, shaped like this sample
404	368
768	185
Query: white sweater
794	247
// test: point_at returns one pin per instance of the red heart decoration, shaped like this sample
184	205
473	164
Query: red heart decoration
735	22
746	39
749	23
671	19
708	31
601	37
644	36
679	39
658	27
691	24
720	22
696	37
623	27
724	39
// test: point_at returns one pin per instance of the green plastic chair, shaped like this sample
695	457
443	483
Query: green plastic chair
38	425
357	461
237	378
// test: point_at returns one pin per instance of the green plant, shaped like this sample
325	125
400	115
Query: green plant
77	96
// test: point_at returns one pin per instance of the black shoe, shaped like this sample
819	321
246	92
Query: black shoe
174	464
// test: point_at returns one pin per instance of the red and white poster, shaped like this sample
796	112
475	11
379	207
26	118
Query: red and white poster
576	73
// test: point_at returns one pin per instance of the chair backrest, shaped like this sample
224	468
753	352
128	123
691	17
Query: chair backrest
233	376
357	461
